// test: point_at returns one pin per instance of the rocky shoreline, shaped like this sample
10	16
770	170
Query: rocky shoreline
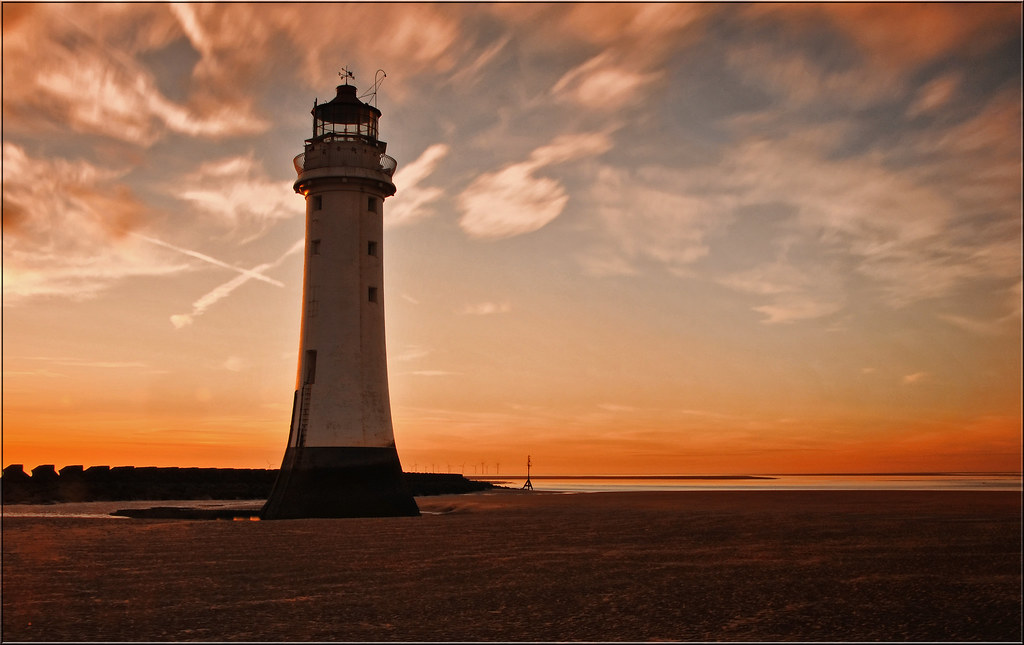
75	483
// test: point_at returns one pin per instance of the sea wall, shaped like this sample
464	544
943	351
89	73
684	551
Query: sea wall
104	483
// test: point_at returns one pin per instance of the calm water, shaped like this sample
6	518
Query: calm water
874	481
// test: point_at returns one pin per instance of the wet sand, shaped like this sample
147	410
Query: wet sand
731	566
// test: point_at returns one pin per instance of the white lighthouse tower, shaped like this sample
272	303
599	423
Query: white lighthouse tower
341	459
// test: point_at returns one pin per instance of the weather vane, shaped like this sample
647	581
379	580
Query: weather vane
345	74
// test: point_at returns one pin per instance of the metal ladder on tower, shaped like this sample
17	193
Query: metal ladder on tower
304	398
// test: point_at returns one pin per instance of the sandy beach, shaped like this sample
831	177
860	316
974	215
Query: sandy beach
717	565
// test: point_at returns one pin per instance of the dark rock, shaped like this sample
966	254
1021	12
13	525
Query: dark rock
103	483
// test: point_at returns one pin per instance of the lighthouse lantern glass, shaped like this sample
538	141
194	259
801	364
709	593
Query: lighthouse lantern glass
348	118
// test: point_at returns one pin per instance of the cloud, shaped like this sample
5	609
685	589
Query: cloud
652	214
798	80
77	362
921	209
796	294
65	228
976	161
904	36
234	364
916	377
626	47
603	83
410	353
512	201
769	279
468	73
993	326
934	95
486	308
909	220
650	29
897	226
975	325
237	192
606	260
410	202
72	71
792	308
246	38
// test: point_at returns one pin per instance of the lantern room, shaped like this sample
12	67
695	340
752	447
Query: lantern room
345	117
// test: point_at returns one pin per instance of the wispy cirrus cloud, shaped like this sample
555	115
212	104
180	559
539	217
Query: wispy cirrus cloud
790	308
893	228
605	25
411	201
653	214
603	83
66	225
904	36
934	95
486	308
86	80
78	362
794	294
794	79
916	377
901	217
409	353
237	192
513	200
632	42
920	210
237	42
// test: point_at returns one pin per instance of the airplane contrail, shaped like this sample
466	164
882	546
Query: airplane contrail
252	273
222	291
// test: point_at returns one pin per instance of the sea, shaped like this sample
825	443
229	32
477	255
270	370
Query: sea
822	481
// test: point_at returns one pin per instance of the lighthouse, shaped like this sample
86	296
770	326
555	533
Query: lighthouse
341	459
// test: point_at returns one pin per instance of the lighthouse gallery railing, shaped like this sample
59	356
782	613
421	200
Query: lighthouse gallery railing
387	164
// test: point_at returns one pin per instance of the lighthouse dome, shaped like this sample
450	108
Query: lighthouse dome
346	116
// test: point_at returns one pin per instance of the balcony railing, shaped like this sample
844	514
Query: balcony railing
388	165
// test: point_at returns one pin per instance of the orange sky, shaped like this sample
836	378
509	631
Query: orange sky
644	239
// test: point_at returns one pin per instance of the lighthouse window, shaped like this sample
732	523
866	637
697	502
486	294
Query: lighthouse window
318	202
373	294
371	204
314	247
371	248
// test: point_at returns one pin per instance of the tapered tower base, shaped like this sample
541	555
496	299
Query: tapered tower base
339	482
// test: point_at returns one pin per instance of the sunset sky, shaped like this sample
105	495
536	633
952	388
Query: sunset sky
627	239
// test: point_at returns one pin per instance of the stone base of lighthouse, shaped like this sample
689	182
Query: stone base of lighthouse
339	482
